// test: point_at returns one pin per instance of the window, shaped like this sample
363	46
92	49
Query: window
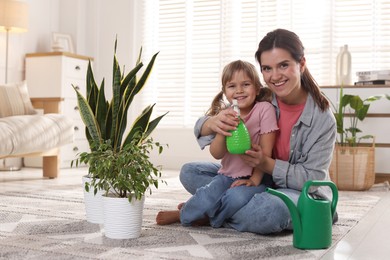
197	38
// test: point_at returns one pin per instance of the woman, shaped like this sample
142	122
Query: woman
304	144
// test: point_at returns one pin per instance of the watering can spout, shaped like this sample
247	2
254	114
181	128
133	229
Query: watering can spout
295	216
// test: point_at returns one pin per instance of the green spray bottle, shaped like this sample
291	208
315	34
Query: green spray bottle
240	140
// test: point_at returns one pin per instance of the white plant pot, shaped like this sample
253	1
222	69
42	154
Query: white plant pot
93	204
122	219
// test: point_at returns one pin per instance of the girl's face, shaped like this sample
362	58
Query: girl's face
283	74
242	88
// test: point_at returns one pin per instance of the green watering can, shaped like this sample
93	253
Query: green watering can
312	218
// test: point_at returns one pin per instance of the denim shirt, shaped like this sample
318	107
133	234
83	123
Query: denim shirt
311	149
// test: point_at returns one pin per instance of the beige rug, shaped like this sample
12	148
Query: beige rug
45	219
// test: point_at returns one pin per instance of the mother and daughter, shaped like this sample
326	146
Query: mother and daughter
293	133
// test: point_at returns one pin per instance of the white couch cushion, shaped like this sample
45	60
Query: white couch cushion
14	100
34	133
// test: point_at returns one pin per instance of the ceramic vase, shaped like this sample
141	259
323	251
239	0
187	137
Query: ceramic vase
343	67
93	204
122	219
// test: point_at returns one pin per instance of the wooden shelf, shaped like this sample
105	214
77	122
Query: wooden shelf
49	105
59	53
379	115
354	86
377	145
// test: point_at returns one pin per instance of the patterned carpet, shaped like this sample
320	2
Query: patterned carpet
45	219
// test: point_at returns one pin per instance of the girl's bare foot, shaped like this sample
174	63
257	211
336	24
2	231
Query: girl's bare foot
180	205
168	217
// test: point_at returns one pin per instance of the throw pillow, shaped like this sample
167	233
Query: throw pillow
14	100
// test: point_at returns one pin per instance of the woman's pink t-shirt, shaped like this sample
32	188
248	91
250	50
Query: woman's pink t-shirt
260	120
289	115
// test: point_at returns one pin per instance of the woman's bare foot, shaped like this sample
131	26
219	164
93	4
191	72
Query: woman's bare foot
168	217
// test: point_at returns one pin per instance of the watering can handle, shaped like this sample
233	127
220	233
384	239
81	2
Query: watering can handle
335	193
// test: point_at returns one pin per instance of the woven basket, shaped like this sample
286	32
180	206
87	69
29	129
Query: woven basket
353	168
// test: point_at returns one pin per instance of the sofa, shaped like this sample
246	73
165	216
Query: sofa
25	132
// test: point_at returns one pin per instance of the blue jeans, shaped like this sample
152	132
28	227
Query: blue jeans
233	200
209	201
197	174
263	214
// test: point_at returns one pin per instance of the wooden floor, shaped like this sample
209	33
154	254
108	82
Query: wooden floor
369	239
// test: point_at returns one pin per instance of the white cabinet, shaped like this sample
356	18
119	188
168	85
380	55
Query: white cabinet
52	75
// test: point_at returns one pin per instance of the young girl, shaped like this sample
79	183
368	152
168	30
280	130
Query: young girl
241	82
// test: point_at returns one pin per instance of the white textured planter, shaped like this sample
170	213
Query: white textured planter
93	204
122	219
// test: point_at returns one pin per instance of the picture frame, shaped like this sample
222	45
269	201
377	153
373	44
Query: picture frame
62	42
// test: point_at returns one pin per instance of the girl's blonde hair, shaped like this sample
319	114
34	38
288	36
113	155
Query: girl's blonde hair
218	103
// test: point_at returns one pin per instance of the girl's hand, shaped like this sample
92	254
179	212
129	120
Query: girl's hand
242	182
223	122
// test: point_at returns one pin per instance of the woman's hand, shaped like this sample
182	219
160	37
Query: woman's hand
253	157
257	159
222	123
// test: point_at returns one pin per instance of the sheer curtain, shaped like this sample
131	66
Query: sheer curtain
197	38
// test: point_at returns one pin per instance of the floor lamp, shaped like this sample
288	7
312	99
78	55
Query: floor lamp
13	18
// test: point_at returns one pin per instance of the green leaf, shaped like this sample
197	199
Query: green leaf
131	75
140	126
153	124
361	113
355	102
88	118
367	137
373	98
115	103
101	110
142	81
345	100
92	89
339	122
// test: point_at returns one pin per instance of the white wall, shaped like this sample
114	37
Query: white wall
93	26
43	19
182	148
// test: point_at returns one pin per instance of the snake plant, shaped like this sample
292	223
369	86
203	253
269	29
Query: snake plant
107	120
118	161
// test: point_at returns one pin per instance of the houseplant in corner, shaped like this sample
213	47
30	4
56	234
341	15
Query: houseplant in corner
118	160
353	163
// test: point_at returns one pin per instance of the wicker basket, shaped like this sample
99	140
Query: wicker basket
353	168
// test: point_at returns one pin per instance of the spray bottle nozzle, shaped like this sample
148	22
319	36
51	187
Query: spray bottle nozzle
235	106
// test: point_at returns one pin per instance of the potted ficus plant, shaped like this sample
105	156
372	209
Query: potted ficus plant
353	163
118	160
